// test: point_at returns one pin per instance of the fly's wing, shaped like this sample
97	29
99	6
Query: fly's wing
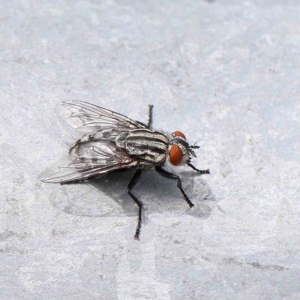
88	117
88	160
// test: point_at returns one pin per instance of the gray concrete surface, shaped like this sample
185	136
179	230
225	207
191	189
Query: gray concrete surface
224	72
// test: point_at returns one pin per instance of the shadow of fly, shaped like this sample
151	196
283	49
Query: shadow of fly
113	142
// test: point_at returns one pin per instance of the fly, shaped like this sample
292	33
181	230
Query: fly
113	142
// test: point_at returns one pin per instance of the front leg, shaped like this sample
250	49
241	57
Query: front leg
199	171
169	175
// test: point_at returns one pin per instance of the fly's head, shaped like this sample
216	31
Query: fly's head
180	152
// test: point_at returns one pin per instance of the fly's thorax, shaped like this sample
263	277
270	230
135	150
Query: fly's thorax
146	145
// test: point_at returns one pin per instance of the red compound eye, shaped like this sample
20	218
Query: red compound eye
179	133
175	155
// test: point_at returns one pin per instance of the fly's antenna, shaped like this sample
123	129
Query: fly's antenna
192	152
68	144
193	147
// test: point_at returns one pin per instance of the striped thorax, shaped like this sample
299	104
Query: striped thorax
148	146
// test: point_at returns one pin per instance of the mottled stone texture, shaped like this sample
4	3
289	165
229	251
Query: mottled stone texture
227	74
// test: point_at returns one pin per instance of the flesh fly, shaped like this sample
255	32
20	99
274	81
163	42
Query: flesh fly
113	142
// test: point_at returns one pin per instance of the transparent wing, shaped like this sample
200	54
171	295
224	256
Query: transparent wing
88	117
86	160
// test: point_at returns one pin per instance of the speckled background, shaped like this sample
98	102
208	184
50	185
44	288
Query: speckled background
224	72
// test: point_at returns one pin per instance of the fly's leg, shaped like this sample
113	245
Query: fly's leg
134	180
150	116
199	171
167	174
